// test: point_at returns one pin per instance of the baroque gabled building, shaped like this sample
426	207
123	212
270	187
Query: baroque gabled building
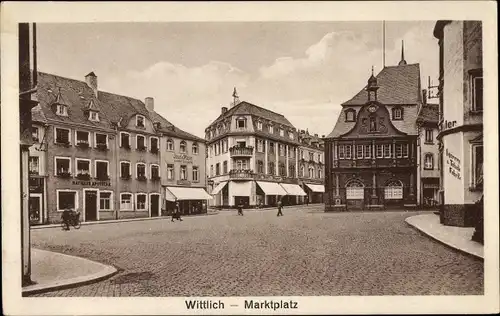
371	156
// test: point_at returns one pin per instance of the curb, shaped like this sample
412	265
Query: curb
35	227
106	272
463	251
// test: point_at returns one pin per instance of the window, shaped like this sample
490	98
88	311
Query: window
341	153
93	116
155	172
183	147
140	142
271	129
224	167
290	135
320	173
63	167
429	138
380	151
355	191
125	170
217	169
82	139
476	81
359	151
348	153
291	152
405	150
428	161
368	151
260	145
139	121
282	169
105	201
183	173
83	168
194	149
196	174
393	191
34	165
311	157
211	170
311	172
140	171
397	113
271	147
477	166
66	200
170	172
271	168
126	201
101	141
259	125
34	134
291	171
225	146
170	145
282	132
140	203
282	150
350	115
62	136
101	170
240	123
125	140
260	166
302	170
62	110
387	150
301	153
153	144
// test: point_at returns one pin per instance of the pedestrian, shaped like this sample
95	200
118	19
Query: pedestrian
66	218
177	213
280	205
240	209
307	200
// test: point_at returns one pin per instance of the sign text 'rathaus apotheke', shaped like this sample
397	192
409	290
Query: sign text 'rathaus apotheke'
93	183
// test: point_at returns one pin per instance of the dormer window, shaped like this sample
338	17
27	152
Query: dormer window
139	121
282	132
241	123
397	113
350	115
62	110
290	134
94	116
271	129
259	125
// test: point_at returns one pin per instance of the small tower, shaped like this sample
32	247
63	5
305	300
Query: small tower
372	88
236	98
402	62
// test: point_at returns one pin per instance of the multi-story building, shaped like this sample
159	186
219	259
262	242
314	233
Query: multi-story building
37	165
252	157
311	167
427	153
460	120
101	151
371	156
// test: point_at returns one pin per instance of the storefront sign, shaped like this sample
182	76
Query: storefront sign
453	164
447	125
183	158
92	183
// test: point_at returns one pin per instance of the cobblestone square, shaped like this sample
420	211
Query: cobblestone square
305	252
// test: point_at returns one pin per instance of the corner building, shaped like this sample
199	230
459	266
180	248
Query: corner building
371	157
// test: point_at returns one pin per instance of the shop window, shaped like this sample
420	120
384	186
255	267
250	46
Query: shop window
170	145
105	201
183	147
195	149
126	201
102	170
393	191
66	200
34	165
368	151
140	142
63	167
350	115
82	139
477	166
125	170
83	168
170	172
196	174
140	203
155	172
139	121
35	134
125	140
140	171
260	166
153	144
429	137
428	161
62	136
183	172
101	141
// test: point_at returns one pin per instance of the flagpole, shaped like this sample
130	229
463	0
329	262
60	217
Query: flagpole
383	32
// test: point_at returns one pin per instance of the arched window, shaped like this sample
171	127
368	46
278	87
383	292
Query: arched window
311	172
350	115
302	171
355	190
183	147
170	144
195	149
428	161
397	113
393	190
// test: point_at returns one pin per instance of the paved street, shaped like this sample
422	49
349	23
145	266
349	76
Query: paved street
305	252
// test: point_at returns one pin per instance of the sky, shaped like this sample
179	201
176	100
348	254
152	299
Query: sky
303	70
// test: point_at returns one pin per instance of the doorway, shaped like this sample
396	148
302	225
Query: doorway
35	206
90	205
154	204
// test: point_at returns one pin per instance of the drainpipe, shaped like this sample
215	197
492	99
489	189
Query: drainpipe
116	158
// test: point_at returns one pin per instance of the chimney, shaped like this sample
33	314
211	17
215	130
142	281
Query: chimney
322	136
424	96
315	135
223	110
91	80
150	104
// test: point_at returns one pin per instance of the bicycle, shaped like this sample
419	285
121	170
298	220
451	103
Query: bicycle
74	220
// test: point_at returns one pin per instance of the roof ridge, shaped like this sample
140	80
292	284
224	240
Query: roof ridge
262	108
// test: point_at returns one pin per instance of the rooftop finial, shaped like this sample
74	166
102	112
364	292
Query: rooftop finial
402	61
236	98
372	70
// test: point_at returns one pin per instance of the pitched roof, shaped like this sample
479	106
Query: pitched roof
246	108
37	114
169	129
429	113
398	85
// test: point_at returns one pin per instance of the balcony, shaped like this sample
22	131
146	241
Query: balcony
245	174
238	151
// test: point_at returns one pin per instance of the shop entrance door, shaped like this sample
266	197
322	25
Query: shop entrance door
90	205
35	208
155	203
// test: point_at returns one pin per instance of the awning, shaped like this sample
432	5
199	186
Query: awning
183	193
240	188
271	188
293	189
316	187
219	188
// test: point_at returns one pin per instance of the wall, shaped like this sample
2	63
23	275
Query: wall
473	59
453	169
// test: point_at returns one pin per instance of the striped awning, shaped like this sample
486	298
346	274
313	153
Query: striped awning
293	189
183	193
240	188
271	188
316	187
219	188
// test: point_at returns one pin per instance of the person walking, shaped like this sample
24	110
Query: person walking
280	205
307	200
177	212
240	208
